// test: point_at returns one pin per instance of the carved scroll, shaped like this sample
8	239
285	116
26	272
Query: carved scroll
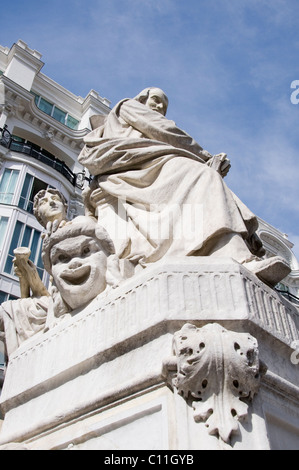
218	371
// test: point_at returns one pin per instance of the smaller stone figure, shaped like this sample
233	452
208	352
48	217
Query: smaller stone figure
22	318
30	281
80	257
50	209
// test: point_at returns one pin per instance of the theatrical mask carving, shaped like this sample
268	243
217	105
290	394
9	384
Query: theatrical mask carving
80	258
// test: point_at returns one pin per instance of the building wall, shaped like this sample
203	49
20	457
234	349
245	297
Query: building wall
42	127
277	243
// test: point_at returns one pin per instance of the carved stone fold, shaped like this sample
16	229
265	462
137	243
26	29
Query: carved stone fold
219	372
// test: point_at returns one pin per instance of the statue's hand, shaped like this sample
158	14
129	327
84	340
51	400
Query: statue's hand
220	163
224	164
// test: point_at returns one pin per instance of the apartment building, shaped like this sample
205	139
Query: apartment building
42	126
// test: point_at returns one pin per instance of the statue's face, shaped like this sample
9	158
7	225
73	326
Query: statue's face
50	208
157	100
79	268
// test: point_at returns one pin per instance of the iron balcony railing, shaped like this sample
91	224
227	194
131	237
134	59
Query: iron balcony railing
291	297
28	148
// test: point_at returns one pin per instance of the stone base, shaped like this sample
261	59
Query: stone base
103	379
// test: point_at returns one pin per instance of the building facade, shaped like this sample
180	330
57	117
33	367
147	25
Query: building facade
42	126
277	243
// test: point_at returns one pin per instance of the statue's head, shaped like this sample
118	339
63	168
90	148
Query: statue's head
77	256
49	205
153	98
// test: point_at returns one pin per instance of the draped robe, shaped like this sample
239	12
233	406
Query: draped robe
21	319
153	190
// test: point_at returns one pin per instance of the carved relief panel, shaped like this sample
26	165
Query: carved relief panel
218	371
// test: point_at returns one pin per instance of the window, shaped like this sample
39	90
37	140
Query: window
24	235
30	188
280	286
4	297
72	122
59	115
2	360
8	185
55	112
3	225
45	106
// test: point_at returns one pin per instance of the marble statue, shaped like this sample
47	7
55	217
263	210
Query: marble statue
158	193
219	371
155	193
160	261
81	259
25	317
24	268
50	209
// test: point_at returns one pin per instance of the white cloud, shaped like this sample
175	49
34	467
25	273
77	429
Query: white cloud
226	66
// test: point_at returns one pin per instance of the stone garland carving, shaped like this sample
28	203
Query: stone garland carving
219	372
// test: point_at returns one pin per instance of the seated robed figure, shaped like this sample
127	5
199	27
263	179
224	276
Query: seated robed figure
159	194
155	193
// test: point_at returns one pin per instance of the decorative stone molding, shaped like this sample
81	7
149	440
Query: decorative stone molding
8	109
218	372
161	299
48	134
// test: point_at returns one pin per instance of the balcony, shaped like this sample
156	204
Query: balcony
291	298
28	148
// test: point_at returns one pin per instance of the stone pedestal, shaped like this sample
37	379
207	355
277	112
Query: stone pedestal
112	376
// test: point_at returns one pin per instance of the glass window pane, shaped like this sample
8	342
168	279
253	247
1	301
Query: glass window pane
3	296
30	188
4	184
25	191
37	186
59	115
36	97
34	245
7	185
3	225
39	263
4	180
2	356
18	139
14	243
12	182
45	106
72	122
26	236
12	297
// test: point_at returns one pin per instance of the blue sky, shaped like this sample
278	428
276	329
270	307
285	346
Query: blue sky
226	66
